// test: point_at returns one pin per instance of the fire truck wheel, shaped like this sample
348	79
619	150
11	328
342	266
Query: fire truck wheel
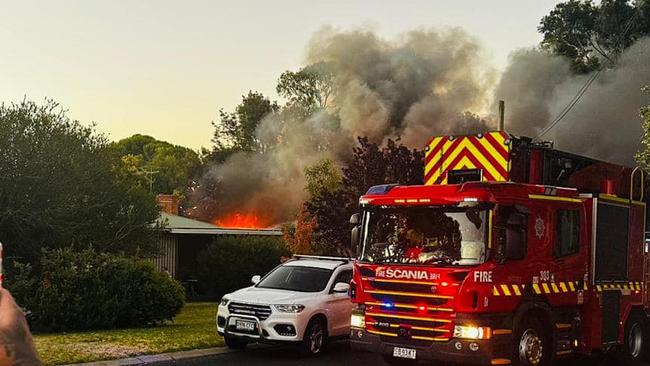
531	343
234	343
634	348
314	340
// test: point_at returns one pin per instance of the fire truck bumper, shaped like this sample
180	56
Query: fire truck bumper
461	351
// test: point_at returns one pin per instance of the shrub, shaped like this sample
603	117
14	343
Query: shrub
228	263
88	290
19	279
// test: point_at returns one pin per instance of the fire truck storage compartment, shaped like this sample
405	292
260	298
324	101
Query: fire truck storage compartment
612	228
610	314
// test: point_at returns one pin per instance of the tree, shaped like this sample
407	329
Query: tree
58	188
236	131
643	156
590	35
159	165
370	165
322	177
308	89
300	236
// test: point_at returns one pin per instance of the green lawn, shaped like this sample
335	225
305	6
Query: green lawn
193	328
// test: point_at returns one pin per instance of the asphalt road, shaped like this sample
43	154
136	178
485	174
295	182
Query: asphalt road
338	353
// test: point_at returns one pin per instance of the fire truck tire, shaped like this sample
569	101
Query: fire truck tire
635	342
532	344
235	343
315	338
393	361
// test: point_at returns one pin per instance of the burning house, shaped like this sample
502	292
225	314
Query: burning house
183	238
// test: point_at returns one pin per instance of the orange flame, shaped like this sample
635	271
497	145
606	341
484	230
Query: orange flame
240	220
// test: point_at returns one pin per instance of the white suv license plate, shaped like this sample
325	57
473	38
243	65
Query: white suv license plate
404	353
244	325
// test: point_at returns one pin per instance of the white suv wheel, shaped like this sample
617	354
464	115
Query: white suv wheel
314	338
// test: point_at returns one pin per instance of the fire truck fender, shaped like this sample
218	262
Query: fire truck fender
537	308
534	306
629	309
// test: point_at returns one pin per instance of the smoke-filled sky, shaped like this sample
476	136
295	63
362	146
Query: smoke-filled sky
408	70
152	66
427	82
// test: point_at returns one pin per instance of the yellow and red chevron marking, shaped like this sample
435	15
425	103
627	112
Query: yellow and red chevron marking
561	287
508	289
489	152
634	286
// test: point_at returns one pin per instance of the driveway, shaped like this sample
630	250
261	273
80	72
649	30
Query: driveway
338	353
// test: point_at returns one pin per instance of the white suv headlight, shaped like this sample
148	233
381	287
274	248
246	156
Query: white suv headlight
289	308
224	301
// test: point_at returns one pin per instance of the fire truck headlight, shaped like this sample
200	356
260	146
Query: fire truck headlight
472	332
358	320
289	308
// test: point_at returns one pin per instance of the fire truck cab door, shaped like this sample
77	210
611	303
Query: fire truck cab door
569	248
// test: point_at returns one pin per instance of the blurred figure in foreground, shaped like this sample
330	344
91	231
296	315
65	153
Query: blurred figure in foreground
16	344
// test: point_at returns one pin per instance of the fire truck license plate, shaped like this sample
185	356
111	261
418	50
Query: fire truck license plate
404	353
244	325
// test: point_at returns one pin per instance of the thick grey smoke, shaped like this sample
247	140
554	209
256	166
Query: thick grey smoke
424	83
413	87
605	122
270	185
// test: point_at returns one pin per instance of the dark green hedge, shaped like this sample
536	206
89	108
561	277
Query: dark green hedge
87	290
228	263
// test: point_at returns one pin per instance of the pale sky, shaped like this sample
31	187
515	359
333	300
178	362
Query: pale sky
164	68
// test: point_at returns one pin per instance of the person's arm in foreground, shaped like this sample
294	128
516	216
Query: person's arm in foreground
16	345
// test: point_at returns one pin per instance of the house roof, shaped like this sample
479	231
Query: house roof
182	225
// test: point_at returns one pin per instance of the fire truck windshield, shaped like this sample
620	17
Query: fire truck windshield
430	235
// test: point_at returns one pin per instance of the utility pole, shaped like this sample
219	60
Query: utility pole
502	110
149	176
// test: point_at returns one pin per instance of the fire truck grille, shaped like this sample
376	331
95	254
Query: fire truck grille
262	312
381	297
398	328
388	322
413	313
407	287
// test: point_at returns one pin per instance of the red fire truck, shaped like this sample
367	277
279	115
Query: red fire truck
512	252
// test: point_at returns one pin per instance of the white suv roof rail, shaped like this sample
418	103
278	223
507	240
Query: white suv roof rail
320	257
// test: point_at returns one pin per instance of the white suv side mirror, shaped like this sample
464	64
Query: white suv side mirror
256	279
341	287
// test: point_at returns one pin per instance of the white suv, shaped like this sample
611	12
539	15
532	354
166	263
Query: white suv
304	300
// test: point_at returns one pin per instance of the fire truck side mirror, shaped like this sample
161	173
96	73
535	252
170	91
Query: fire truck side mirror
354	239
354	235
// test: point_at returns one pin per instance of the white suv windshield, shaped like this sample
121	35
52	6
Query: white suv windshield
296	278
